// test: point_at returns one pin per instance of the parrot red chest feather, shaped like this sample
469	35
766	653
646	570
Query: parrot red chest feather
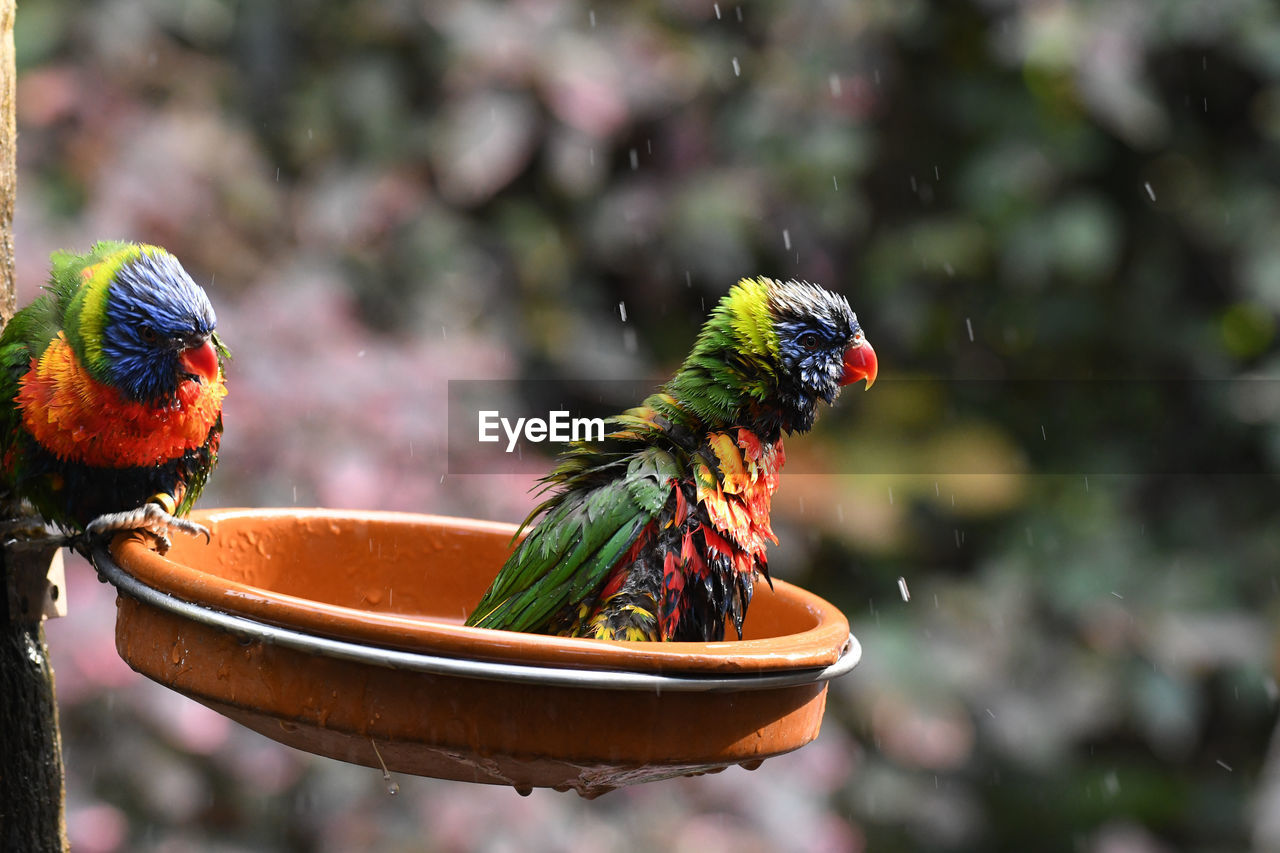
81	420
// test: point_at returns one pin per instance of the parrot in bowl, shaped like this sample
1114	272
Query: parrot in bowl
111	388
659	531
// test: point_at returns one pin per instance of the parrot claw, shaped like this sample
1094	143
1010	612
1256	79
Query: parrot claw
149	517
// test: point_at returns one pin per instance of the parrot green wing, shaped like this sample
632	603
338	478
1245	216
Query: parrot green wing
31	329
29	332
582	534
25	336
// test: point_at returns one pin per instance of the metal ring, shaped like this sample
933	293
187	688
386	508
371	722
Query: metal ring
465	667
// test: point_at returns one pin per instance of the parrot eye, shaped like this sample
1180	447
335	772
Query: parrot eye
809	341
148	334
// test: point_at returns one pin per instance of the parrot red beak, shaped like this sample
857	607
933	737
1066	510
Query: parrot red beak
859	362
201	361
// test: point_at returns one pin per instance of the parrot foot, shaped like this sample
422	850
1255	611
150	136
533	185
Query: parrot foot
153	519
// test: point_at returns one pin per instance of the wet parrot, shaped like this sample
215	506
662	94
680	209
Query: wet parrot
659	531
111	389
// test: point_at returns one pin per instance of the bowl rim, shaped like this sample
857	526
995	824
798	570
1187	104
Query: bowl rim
485	670
823	646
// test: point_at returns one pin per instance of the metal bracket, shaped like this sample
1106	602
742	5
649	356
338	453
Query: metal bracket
37	579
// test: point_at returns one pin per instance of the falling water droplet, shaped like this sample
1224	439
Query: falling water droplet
786	239
716	6
392	787
1150	191
635	159
968	324
622	310
737	69
902	589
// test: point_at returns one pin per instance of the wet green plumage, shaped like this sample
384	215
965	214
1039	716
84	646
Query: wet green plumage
657	531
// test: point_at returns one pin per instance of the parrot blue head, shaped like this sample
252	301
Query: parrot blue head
769	352
821	347
158	329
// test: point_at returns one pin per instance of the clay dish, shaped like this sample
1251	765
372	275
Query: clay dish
340	632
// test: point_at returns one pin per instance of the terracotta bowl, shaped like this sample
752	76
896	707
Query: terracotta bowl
341	633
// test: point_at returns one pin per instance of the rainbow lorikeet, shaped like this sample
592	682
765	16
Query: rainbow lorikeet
659	531
111	392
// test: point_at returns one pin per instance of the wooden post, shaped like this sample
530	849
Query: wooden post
8	160
31	788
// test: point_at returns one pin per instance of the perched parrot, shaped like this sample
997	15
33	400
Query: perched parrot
659	532
111	392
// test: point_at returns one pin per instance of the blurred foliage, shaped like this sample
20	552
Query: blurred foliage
1058	221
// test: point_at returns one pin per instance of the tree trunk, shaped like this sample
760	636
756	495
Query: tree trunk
31	792
31	789
8	162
